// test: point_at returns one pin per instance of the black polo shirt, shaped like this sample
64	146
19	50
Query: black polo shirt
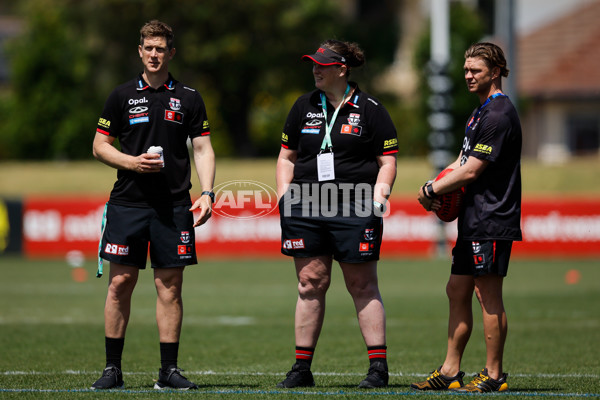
362	131
139	117
492	203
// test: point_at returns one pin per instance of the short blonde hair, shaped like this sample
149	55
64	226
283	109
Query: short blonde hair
492	55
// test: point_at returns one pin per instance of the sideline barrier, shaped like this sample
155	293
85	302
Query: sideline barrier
552	227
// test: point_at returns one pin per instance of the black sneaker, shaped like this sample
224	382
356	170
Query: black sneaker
299	376
172	379
482	383
376	377
112	378
437	381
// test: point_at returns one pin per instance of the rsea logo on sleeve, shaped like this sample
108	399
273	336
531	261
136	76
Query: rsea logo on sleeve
483	148
390	143
104	123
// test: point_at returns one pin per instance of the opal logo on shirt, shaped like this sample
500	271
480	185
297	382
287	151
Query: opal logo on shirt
135	102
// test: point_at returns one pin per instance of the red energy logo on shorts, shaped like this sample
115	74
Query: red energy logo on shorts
293	244
478	259
184	249
117	249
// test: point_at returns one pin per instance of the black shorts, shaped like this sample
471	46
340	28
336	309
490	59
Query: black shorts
349	239
486	257
130	232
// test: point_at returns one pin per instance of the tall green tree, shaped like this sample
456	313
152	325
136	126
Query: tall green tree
45	111
242	55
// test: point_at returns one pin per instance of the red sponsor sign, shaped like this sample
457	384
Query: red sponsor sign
53	227
551	227
560	226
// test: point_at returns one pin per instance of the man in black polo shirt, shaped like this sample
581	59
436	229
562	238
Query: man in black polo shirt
489	168
150	208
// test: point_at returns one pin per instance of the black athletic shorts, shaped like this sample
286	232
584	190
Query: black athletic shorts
348	238
486	257
168	234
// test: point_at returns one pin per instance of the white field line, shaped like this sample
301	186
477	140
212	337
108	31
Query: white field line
287	392
250	373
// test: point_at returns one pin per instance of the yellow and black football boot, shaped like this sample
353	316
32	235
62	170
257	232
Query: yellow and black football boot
437	381
482	383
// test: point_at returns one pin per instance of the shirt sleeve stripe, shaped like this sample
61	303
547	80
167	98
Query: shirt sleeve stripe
385	153
102	131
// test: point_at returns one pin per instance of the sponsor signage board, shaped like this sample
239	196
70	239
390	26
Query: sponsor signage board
554	227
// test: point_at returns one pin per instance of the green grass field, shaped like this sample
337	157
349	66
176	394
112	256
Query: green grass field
237	339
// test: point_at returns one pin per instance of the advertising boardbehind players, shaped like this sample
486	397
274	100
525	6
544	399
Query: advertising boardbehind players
489	168
150	208
335	171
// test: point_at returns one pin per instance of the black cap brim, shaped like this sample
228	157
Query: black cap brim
325	56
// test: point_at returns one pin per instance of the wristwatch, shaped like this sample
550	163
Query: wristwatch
428	190
210	194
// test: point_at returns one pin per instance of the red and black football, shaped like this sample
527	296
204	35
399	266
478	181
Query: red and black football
451	202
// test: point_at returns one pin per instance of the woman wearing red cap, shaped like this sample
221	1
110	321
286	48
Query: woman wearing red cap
335	171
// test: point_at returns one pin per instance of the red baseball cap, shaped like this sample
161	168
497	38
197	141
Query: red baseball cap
324	56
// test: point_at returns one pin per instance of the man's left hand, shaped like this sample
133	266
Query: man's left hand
204	204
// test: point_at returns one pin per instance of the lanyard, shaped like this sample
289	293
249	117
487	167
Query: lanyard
492	97
329	127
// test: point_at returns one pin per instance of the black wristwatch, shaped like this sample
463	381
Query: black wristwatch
209	194
428	191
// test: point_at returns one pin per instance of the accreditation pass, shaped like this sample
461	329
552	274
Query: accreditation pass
325	167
